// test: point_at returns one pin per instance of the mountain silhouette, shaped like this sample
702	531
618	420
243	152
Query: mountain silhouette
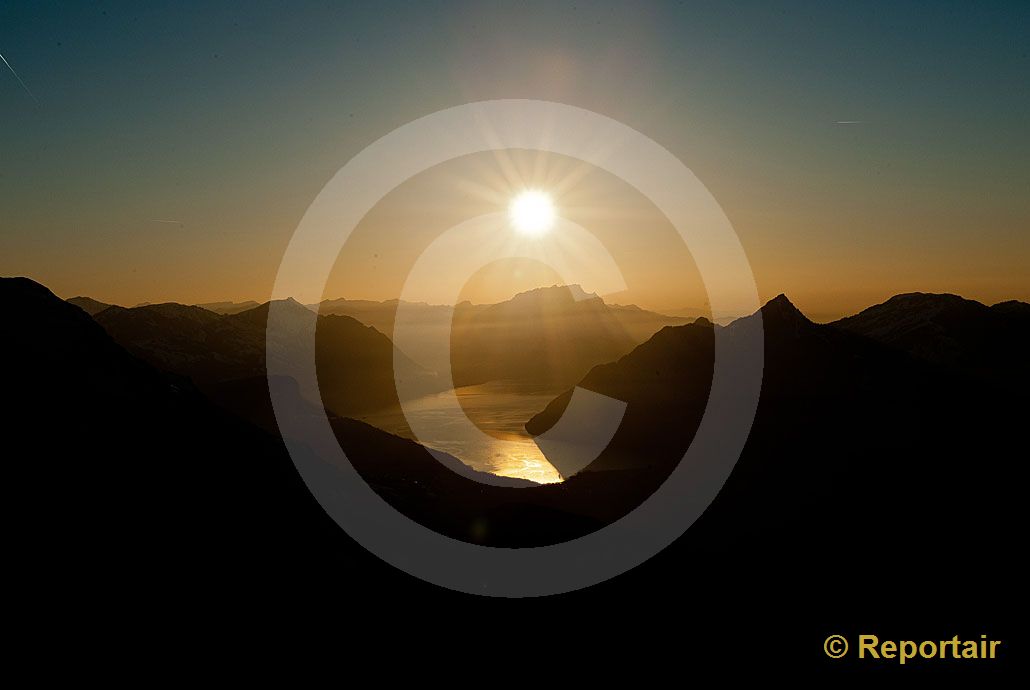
988	343
841	419
88	305
864	462
666	380
228	307
537	319
552	336
379	315
124	466
355	362
1012	308
135	465
641	324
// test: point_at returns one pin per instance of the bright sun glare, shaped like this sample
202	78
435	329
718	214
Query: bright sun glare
532	213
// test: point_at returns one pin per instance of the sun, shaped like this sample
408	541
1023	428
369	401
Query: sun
532	213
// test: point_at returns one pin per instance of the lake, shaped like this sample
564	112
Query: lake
499	408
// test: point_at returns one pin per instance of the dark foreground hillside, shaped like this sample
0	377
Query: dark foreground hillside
875	487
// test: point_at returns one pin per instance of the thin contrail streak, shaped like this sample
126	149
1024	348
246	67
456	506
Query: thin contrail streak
848	122
168	222
31	95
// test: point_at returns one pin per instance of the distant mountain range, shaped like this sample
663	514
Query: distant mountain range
864	459
88	305
551	335
92	306
229	307
843	406
217	351
548	336
432	319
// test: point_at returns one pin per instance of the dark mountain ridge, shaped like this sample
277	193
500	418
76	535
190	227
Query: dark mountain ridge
88	304
545	335
122	447
355	362
987	343
576	328
228	307
130	479
841	418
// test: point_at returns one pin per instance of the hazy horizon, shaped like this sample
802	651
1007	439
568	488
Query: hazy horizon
156	155
609	299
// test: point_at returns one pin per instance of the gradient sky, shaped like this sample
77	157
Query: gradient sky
230	117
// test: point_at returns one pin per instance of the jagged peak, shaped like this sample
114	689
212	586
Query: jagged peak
777	312
780	299
283	306
781	307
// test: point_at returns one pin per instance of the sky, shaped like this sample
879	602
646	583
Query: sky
225	120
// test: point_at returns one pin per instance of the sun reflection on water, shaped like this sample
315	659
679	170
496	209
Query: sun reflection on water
500	408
